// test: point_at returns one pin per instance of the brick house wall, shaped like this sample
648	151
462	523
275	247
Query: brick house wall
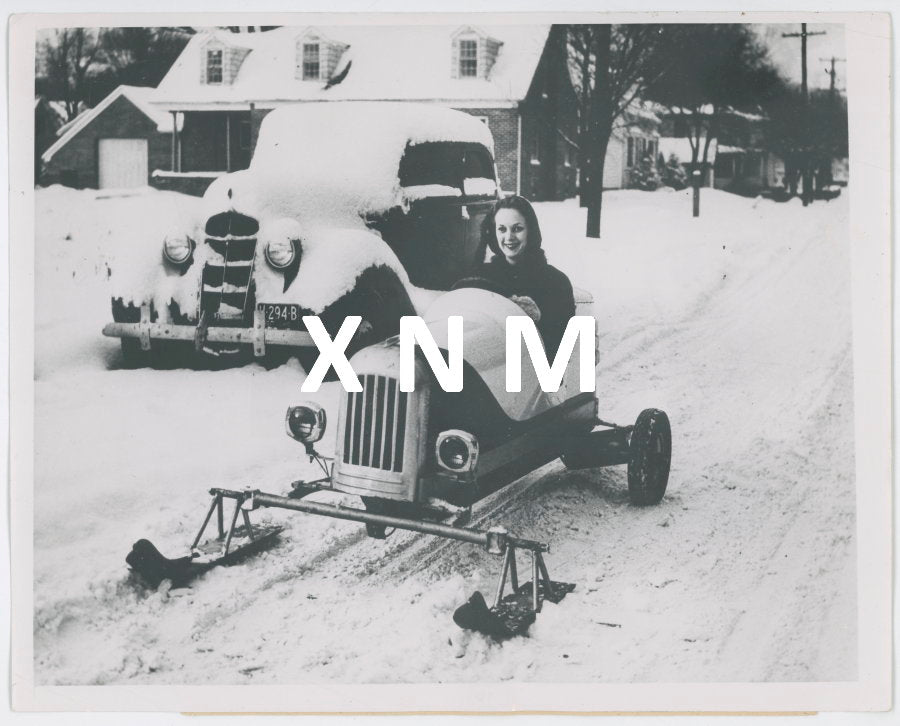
504	126
76	164
549	124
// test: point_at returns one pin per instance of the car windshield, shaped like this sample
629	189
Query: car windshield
446	164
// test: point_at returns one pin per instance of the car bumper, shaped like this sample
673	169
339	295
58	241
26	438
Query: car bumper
258	336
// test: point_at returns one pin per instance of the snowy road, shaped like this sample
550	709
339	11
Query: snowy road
738	324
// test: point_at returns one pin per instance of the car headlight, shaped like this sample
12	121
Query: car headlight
177	248
281	253
456	451
305	422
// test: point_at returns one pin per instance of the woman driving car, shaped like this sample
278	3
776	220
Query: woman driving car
520	268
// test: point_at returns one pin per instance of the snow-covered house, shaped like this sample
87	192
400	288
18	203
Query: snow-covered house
511	77
116	144
634	137
738	156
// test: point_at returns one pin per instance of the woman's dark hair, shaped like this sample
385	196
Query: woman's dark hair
523	207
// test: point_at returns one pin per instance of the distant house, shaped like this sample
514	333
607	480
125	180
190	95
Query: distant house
635	137
512	77
738	156
116	144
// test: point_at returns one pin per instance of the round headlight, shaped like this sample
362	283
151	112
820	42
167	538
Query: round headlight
457	450
454	453
178	248
306	423
281	253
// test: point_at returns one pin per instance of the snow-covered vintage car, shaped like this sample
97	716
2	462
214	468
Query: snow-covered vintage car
345	209
419	460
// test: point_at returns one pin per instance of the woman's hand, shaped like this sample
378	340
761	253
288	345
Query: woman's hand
528	305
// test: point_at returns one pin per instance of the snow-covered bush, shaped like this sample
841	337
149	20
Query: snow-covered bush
672	172
644	175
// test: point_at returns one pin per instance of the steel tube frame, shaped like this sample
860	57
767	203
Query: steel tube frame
462	534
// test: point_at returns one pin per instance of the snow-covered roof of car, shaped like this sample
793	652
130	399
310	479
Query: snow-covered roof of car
339	159
138	95
418	67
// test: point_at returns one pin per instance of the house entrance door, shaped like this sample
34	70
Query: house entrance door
122	163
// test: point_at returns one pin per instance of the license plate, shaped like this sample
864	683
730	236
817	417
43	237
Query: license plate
281	315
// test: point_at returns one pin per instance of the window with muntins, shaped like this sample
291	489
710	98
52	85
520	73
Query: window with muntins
468	58
214	66
310	61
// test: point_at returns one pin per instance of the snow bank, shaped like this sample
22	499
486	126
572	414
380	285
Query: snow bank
93	246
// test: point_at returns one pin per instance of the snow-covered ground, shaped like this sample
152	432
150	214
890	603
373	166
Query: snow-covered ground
736	323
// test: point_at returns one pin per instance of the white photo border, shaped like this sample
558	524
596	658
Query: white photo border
868	38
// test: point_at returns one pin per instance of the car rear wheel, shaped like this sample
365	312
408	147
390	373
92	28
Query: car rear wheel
650	455
132	354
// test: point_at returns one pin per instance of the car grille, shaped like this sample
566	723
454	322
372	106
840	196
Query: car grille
227	292
375	425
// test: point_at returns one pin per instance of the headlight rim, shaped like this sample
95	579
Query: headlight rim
468	440
318	425
179	262
292	244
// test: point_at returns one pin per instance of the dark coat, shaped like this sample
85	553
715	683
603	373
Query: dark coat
548	287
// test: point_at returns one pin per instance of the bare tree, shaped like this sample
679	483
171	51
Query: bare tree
712	69
611	66
69	54
141	56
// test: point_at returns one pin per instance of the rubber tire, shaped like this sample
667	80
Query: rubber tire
165	355
650	457
132	354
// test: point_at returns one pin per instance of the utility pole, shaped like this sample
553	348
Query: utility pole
832	73
807	170
832	95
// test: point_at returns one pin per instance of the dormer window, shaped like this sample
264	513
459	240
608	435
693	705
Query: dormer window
468	58
316	56
473	53
220	62
214	66
311	65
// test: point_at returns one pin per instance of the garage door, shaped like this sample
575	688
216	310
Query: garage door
123	163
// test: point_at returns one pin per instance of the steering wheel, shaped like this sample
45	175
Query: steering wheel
483	283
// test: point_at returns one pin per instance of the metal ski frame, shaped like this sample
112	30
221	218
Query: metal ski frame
538	574
218	506
496	540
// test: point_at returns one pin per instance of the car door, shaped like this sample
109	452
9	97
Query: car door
429	233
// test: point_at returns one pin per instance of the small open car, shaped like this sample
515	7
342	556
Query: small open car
344	205
420	460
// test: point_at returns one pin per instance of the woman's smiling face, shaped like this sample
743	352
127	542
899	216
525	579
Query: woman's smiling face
512	234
